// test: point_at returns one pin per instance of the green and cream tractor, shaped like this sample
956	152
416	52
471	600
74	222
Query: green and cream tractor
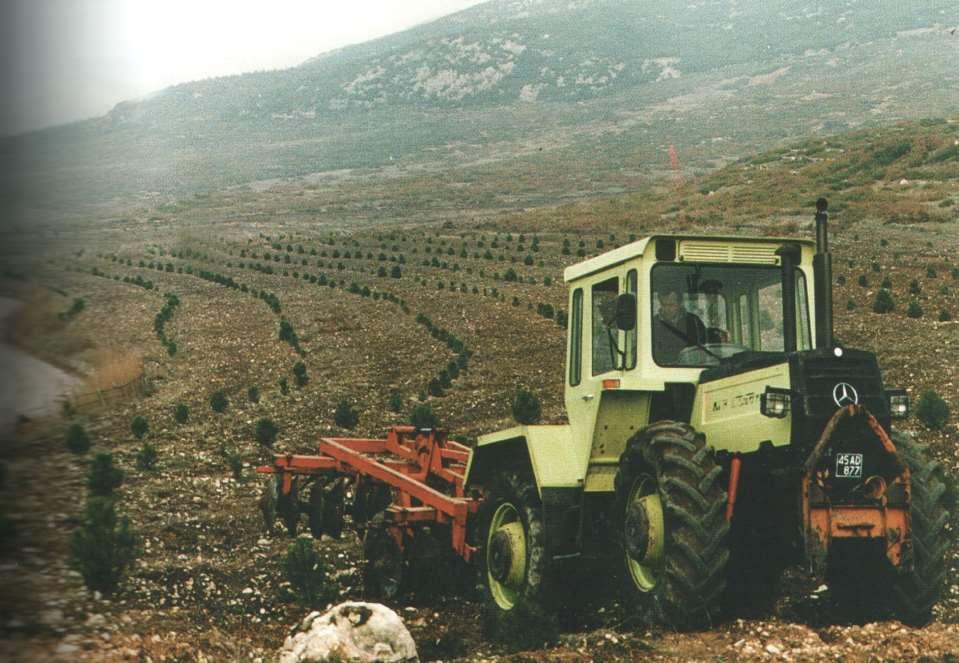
717	434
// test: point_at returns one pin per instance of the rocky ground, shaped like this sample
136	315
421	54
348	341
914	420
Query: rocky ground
208	585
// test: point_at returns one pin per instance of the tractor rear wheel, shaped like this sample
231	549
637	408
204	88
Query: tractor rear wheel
914	592
512	544
671	504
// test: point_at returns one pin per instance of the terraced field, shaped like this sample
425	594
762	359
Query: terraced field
452	308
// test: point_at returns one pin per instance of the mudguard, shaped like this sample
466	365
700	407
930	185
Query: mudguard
548	451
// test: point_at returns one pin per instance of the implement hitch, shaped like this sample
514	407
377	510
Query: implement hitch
842	504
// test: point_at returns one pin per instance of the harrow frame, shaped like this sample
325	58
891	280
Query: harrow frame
417	464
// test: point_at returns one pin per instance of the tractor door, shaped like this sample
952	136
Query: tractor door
598	357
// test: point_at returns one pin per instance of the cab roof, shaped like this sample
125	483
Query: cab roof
637	248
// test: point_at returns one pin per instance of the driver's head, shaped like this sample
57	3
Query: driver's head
670	301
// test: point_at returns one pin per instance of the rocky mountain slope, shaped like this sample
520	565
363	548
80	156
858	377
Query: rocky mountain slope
606	84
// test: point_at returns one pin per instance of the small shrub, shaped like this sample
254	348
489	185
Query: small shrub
103	547
77	439
886	283
218	401
422	416
104	478
139	427
346	415
930	272
235	462
851	305
914	310
883	302
396	401
284	386
945	315
526	407
266	432
876	267
146	457
932	410
914	287
840	280
299	374
305	570
181	413
510	275
253	394
863	281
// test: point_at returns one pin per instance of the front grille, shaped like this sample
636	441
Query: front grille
815	374
823	375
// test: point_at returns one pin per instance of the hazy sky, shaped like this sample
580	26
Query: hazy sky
70	59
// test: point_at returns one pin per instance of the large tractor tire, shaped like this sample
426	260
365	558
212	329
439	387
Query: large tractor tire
512	545
671	502
914	592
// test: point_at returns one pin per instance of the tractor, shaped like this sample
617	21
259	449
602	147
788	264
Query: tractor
717	434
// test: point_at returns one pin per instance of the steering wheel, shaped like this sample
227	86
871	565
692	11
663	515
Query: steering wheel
708	354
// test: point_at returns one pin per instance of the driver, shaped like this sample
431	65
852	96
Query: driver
674	328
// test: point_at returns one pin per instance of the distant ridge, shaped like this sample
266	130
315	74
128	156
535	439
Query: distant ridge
607	84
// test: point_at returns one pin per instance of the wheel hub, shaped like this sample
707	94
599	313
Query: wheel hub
636	532
507	554
644	534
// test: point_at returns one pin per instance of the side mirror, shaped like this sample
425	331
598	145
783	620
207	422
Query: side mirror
625	312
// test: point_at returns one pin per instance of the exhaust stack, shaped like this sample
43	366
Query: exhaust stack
822	268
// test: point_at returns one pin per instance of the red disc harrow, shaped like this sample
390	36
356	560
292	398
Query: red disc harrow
423	471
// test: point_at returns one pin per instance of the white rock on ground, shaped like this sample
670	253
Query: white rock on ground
353	631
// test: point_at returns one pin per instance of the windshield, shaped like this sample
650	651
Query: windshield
702	313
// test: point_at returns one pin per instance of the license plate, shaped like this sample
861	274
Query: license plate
849	466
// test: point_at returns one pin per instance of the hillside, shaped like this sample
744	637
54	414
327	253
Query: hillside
511	83
320	254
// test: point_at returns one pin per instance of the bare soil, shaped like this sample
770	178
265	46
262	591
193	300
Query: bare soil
208	584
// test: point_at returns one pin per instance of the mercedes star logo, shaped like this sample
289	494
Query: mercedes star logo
845	394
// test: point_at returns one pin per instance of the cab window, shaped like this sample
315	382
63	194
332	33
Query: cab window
603	305
576	338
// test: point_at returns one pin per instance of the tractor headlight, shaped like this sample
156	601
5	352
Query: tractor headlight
898	403
775	402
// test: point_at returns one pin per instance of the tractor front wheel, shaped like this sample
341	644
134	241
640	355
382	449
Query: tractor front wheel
915	591
512	540
671	504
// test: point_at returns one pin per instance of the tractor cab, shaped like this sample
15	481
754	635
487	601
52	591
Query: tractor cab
648	318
